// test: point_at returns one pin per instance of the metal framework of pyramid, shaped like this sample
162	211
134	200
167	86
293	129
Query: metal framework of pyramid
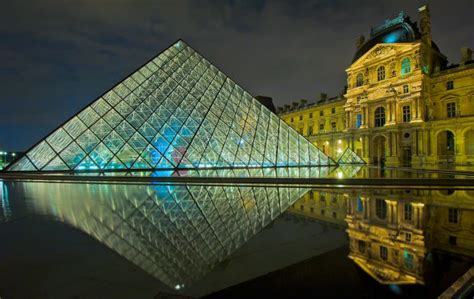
350	157
176	111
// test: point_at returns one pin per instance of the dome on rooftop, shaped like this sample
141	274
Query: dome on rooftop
397	30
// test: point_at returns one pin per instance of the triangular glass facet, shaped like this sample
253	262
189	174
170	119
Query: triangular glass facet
350	157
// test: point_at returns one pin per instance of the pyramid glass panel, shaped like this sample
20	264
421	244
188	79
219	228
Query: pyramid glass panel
176	111
350	157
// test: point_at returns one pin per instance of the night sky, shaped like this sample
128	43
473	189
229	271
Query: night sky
58	56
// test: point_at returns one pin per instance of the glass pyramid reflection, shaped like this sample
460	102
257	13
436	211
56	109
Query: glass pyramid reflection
350	157
176	111
177	233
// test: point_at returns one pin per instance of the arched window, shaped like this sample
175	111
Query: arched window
406	66
380	117
359	80
381	73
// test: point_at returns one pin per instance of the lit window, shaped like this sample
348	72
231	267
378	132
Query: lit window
449	85
381	73
408	259
358	120
380	117
406	114
333	110
321	113
405	89
451	109
383	253
359	80
408	212
453	215
381	208
360	206
408	237
406	66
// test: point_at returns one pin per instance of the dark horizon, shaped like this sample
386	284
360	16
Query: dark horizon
57	58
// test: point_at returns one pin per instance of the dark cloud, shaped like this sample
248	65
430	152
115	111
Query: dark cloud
57	56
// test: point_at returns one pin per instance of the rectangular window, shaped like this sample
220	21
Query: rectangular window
310	130
383	253
333	126
322	212
311	115
334	215
321	127
312	210
408	237
301	117
358	120
292	119
408	212
453	216
321	113
408	258
405	89
406	114
301	131
333	110
449	85
451	108
301	207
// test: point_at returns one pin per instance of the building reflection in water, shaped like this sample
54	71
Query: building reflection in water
398	236
177	233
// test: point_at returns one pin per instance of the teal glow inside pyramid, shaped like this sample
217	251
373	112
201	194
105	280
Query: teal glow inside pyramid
176	111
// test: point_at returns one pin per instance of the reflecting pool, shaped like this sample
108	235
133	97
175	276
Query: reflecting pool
233	240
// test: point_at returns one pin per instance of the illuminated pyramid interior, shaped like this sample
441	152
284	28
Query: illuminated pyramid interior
177	111
349	157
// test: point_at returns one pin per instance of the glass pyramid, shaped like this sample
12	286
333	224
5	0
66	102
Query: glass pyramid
176	111
350	157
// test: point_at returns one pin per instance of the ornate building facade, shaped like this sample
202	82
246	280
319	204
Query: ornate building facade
403	103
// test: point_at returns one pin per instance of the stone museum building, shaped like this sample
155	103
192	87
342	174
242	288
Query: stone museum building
403	104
